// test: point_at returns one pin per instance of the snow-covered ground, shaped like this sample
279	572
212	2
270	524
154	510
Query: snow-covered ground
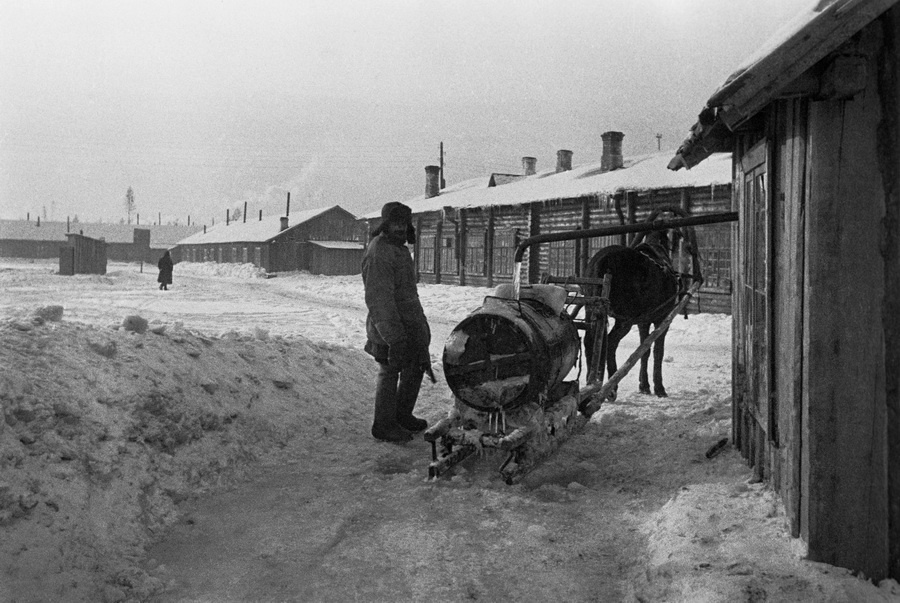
167	464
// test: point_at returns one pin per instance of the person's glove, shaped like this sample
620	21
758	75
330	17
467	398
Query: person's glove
397	354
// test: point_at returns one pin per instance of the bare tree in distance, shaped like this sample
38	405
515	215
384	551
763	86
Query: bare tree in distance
129	203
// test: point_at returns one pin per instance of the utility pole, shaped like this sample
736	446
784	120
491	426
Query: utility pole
659	142
443	182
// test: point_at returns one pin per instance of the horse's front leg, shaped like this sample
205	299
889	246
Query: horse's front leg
659	351
643	380
616	334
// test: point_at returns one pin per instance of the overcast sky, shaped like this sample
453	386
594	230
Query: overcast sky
201	106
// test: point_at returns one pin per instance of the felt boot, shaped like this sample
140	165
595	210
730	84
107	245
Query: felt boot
384	425
407	395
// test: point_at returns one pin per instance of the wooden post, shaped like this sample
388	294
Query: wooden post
489	247
438	248
534	253
463	243
417	246
631	208
583	247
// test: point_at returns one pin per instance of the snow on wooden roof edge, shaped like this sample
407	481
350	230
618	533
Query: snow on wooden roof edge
255	231
639	173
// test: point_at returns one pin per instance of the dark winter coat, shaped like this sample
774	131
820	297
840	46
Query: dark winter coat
165	269
395	312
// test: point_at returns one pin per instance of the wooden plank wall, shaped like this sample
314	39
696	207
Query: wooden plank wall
89	256
889	166
788	189
844	431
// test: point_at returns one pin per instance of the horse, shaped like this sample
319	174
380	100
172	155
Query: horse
644	289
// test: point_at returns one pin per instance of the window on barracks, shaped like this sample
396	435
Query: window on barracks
475	253
715	261
504	252
449	264
562	258
426	254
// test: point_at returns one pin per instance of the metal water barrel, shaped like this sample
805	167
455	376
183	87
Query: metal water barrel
509	352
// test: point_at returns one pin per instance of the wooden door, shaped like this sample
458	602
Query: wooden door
756	415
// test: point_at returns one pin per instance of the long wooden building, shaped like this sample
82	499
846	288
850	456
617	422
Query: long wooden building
467	233
124	242
325	240
813	119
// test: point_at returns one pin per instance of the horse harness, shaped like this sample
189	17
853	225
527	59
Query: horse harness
657	254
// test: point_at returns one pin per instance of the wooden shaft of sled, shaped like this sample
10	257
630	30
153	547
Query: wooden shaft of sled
436	468
440	428
518	437
603	390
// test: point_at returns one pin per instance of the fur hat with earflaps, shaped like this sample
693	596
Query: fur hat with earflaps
395	211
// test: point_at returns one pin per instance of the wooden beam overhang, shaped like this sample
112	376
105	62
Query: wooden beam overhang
748	90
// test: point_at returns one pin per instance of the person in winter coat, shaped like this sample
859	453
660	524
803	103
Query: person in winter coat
165	271
397	331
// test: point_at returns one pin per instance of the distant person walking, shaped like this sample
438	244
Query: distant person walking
165	266
396	328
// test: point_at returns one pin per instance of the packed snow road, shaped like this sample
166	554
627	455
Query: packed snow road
628	510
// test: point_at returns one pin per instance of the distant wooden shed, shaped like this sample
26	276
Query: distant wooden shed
813	120
335	257
298	241
82	255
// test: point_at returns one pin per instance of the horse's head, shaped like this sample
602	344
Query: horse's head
659	241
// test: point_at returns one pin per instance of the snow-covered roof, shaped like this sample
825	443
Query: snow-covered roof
28	230
639	173
339	244
253	231
800	43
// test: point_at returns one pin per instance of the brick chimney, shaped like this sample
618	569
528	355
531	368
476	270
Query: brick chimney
284	222
432	181
529	165
563	161
612	151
